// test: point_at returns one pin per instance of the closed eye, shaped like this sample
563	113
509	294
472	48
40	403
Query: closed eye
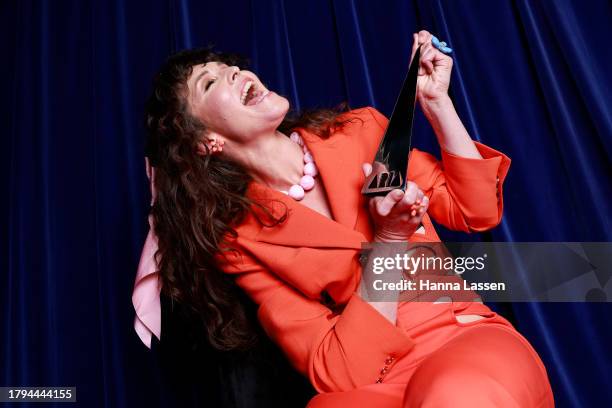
208	84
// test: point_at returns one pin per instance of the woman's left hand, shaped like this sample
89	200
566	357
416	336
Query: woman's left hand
434	69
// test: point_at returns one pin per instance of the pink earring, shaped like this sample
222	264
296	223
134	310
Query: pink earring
216	145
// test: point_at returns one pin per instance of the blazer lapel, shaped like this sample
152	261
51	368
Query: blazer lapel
303	227
337	160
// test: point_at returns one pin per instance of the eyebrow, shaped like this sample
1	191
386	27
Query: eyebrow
201	75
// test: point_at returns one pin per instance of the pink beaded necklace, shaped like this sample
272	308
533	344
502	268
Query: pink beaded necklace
307	182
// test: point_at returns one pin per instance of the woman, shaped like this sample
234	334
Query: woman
239	201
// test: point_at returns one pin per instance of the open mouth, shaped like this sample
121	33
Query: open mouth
252	94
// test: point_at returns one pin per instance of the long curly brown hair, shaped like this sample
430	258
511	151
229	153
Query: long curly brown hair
201	198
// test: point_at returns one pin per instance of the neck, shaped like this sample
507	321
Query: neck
273	160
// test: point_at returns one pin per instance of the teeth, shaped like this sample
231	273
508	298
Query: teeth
245	91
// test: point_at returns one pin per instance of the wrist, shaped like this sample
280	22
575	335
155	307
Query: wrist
435	108
388	238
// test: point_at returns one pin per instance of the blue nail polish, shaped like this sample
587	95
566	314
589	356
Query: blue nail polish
435	41
446	50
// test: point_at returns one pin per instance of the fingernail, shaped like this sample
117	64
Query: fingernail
413	213
435	41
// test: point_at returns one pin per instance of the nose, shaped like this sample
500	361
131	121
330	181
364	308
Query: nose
232	74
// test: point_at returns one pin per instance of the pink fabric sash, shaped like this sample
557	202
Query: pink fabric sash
145	296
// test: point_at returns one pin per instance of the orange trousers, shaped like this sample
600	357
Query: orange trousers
485	363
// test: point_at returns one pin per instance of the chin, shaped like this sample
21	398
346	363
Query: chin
276	107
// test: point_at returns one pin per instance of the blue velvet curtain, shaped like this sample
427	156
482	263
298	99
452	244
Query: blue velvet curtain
531	78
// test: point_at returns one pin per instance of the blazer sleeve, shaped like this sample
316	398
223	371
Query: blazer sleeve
336	350
465	194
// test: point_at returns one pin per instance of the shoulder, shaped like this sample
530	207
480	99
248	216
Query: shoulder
360	134
367	116
366	124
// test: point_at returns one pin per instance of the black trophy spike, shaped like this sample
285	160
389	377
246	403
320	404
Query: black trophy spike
390	166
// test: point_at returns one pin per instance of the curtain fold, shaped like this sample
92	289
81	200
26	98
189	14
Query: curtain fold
531	78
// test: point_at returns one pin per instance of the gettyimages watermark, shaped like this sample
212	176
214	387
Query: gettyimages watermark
488	271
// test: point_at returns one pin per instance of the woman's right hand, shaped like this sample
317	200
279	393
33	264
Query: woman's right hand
397	215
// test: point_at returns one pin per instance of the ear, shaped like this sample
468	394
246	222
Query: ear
211	143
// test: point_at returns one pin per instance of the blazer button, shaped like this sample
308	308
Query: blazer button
389	360
379	380
384	371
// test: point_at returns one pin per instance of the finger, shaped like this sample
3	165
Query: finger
426	60
410	195
427	54
420	206
420	201
419	197
408	201
404	206
426	47
429	67
367	169
424	37
384	206
440	59
424	205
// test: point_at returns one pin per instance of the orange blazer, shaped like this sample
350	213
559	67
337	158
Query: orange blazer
286	269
